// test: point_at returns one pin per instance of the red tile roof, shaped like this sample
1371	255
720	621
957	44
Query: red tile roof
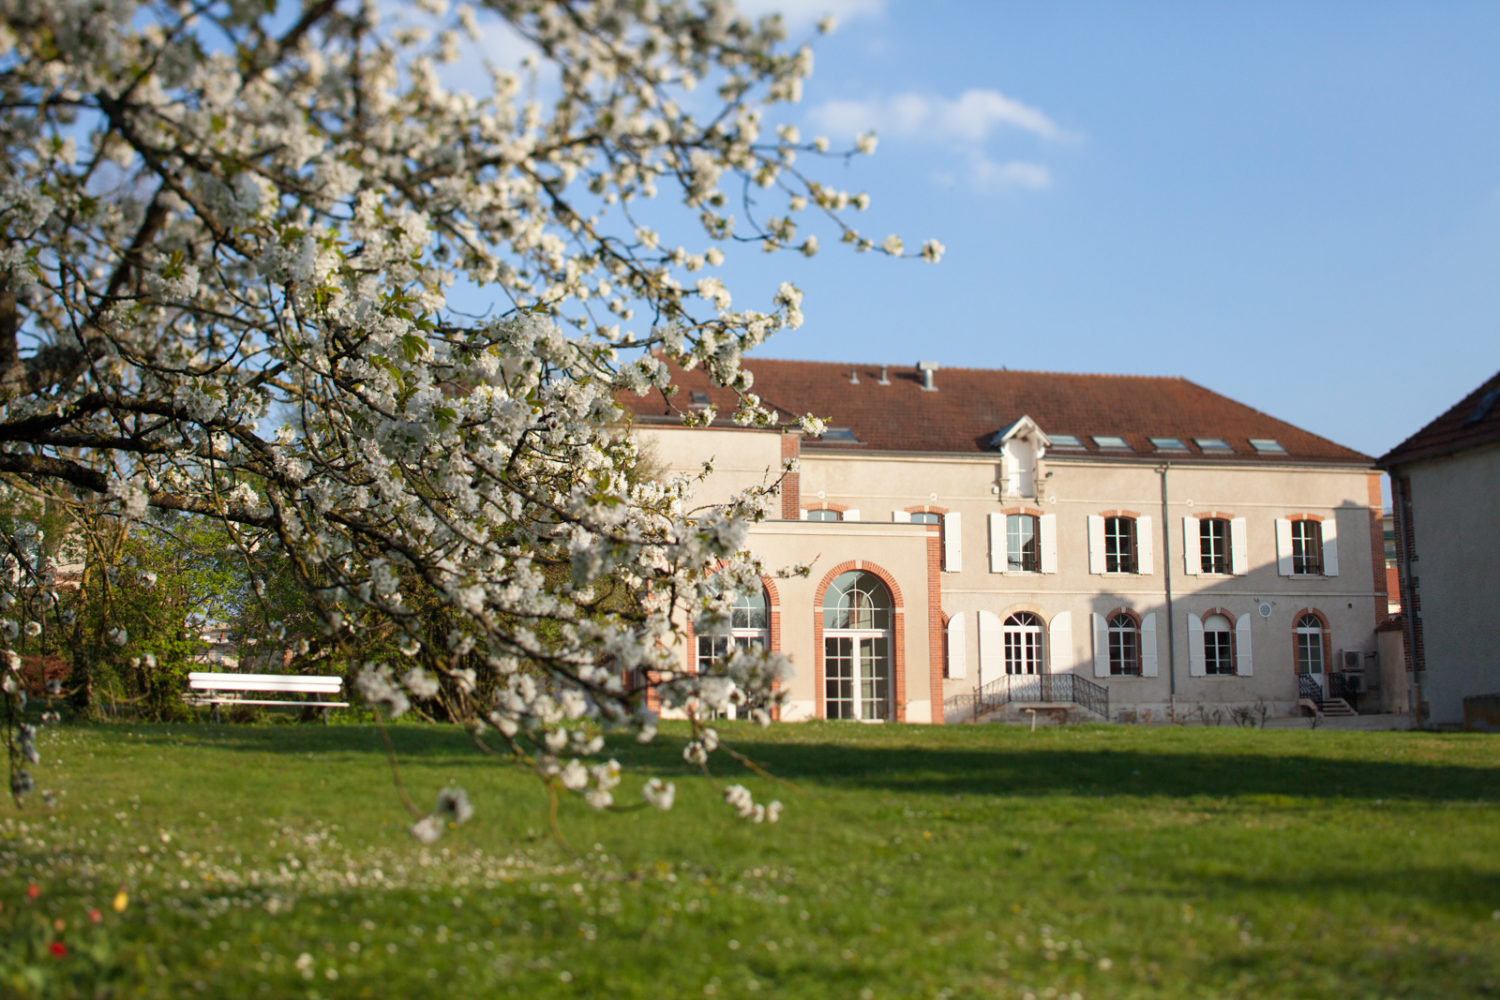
1474	421
971	405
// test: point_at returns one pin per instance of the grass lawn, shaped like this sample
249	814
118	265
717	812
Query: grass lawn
968	861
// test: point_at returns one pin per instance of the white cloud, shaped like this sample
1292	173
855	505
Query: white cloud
801	14
988	175
965	124
968	118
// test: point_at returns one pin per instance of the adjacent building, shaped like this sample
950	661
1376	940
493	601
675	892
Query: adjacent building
1134	546
1445	488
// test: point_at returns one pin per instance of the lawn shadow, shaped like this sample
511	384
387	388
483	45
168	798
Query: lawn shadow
1003	769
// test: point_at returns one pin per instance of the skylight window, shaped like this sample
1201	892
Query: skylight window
839	434
1168	444
1267	446
1066	441
1111	442
699	397
1213	445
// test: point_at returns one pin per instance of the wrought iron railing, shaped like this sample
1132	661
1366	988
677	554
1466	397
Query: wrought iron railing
1343	686
1309	688
1029	688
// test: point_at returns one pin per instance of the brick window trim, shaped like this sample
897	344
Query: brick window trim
898	635
1213	515
926	508
1307	517
826	505
1030	511
1133	515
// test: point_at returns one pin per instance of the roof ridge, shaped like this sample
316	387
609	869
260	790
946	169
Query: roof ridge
749	362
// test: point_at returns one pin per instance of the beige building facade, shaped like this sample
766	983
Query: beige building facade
1135	548
1445	484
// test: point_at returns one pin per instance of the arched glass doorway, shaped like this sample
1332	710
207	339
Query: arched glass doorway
857	620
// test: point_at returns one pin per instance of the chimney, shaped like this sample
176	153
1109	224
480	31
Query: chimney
928	369
854	376
885	378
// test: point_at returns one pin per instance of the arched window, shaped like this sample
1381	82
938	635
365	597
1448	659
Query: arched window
1023	643
857	619
749	626
1218	645
1311	636
1124	645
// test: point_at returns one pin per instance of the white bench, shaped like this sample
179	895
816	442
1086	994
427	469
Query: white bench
205	688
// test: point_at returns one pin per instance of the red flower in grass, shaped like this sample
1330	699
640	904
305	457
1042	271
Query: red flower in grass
95	915
33	891
58	949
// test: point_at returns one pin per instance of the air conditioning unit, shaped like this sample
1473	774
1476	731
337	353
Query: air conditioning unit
1352	659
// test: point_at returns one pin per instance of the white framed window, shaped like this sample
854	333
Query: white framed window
857	632
1312	639
750	625
1023	643
1023	543
1124	645
1307	548
1213	545
1119	545
1218	646
821	515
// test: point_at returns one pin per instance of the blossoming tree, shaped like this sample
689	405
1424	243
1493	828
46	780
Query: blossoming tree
269	264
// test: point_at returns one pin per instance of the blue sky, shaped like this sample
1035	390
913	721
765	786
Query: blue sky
1296	205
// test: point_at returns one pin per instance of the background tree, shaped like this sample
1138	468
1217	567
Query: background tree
235	237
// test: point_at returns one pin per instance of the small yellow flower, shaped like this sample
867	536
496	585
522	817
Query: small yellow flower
121	901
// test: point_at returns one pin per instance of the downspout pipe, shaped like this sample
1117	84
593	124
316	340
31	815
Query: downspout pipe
1166	568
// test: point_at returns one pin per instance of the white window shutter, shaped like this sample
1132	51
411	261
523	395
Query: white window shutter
1330	547
1197	662
1143	546
1060	642
1239	557
802	514
1101	646
901	516
849	515
1283	546
1192	548
999	561
991	648
953	539
1148	646
1096	544
1048	525
1244	663
957	653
